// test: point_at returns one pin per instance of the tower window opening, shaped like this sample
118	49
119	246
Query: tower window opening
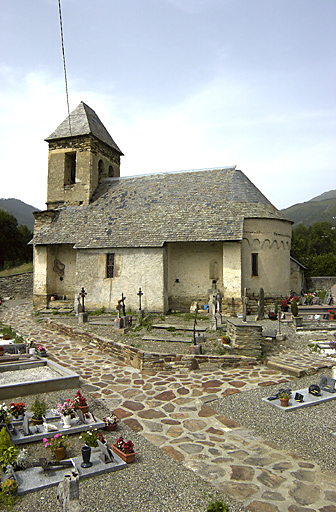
70	169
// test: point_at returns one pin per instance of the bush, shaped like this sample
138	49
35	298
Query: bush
218	506
294	307
8	452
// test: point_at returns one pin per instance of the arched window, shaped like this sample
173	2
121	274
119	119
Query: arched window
110	172
100	168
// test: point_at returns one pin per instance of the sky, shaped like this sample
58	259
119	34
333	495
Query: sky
179	85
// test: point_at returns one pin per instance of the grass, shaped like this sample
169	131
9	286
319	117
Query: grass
25	267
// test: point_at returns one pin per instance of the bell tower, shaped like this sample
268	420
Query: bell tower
79	159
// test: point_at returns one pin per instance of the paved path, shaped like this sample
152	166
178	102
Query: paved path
173	411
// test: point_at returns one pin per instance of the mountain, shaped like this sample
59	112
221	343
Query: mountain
21	211
321	208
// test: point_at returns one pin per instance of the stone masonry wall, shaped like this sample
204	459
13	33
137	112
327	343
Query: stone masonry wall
246	337
147	360
18	286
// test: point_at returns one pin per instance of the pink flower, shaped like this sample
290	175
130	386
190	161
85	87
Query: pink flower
45	440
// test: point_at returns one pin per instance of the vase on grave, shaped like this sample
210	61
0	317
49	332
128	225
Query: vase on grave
60	453
67	421
83	408
86	455
284	402
331	316
36	421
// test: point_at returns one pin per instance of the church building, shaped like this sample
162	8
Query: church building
174	235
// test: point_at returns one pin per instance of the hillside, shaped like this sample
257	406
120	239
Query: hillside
21	211
319	209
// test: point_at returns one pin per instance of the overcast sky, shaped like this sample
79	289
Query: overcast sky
179	84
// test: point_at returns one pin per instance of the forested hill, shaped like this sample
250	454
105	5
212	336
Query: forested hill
319	209
21	211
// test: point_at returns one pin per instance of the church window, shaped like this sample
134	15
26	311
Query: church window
70	169
110	265
110	172
254	264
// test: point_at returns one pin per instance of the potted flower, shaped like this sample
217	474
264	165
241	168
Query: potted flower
111	422
41	351
272	315
80	402
66	410
2	350
58	444
17	409
125	450
332	314
91	437
4	414
29	346
39	409
284	305
284	399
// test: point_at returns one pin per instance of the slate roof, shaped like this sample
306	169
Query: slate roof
84	121
149	210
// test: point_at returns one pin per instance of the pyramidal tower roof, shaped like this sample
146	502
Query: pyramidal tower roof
84	121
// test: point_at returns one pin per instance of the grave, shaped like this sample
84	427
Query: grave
327	393
62	378
35	478
22	432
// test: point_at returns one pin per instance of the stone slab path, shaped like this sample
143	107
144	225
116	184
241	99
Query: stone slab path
173	411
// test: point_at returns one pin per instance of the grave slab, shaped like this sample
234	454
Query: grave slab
35	479
39	431
309	400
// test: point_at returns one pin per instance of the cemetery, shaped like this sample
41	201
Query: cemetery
241	337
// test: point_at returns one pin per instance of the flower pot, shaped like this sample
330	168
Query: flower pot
31	351
284	402
272	316
67	421
126	457
36	421
284	309
111	428
86	454
83	408
2	352
331	316
6	337
60	453
41	353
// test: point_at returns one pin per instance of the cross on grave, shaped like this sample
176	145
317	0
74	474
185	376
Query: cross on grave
245	300
122	302
140	294
83	294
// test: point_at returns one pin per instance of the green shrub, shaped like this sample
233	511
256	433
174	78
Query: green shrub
8	452
294	307
218	506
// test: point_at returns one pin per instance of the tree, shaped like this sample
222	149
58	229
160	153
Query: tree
13	241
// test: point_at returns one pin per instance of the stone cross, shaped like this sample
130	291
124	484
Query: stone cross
140	294
83	294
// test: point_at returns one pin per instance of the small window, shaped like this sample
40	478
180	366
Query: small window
110	265
110	171
254	264
70	169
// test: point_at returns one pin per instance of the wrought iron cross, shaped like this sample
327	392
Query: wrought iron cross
140	294
83	294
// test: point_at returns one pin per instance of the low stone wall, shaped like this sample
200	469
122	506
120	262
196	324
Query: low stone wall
245	337
321	283
150	360
18	286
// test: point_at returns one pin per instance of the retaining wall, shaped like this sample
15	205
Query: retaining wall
18	286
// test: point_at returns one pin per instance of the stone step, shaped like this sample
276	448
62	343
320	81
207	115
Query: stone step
178	327
173	340
284	367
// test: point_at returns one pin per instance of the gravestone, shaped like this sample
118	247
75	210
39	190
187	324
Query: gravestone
261	305
327	384
78	306
25	425
68	494
82	316
106	454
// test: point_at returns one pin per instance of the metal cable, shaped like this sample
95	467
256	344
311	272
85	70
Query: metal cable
65	74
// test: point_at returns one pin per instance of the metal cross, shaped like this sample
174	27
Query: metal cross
122	301
140	294
83	294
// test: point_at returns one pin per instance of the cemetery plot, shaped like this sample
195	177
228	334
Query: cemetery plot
56	377
327	393
37	478
22	432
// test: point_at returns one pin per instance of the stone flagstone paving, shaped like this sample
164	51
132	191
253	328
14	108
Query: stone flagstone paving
173	411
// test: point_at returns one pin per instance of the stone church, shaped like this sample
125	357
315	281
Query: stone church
174	235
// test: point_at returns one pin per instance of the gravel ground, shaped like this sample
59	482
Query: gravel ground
28	375
153	483
307	431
